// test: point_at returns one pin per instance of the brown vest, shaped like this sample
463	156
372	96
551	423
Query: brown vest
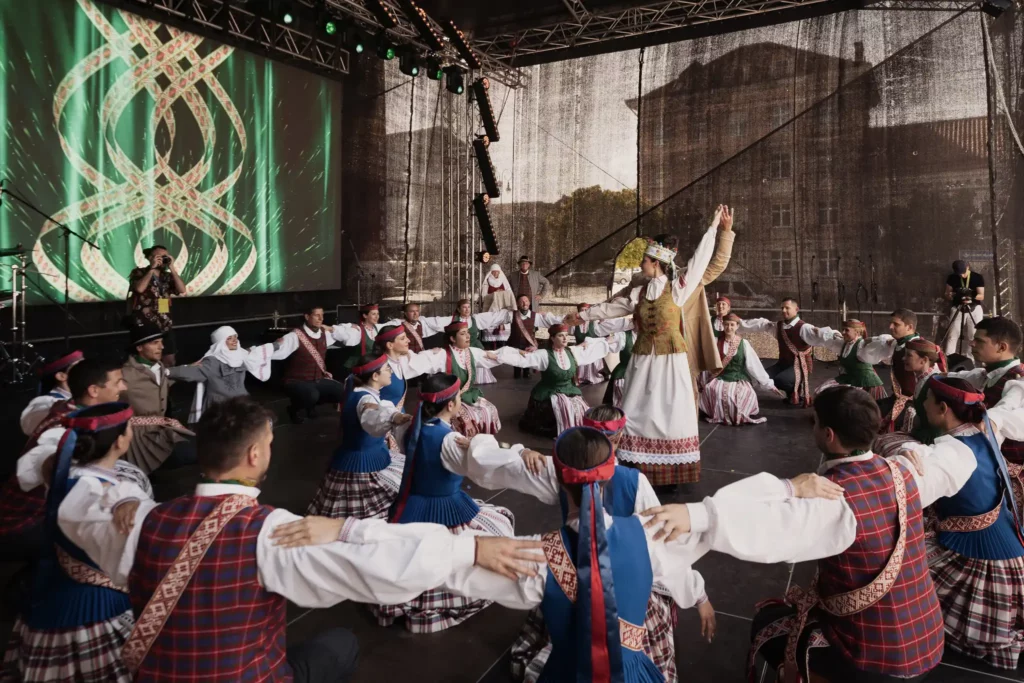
302	366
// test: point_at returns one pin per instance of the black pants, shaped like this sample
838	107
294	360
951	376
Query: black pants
521	372
309	394
330	657
824	661
784	376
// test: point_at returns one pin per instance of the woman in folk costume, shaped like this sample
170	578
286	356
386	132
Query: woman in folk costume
436	461
53	387
474	325
922	360
393	341
623	341
77	619
727	395
477	415
856	360
978	566
496	295
723	307
556	402
220	374
661	437
364	475
595	588
587	373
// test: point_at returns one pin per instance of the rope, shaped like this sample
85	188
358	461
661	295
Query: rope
639	120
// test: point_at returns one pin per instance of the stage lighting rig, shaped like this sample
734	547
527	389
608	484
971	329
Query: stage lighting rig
458	41
483	160
995	8
456	79
284	11
419	19
435	70
408	62
481	90
385	48
353	39
483	219
384	14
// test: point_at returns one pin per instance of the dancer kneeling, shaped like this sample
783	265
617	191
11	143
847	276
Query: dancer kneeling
477	415
726	395
855	360
364	476
436	462
556	402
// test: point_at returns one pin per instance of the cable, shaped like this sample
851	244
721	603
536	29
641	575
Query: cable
639	119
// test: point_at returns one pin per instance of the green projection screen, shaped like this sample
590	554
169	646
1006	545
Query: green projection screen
132	133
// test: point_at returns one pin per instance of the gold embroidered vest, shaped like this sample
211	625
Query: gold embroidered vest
659	325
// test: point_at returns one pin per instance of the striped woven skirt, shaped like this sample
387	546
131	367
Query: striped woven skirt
877	393
728	403
982	605
590	374
479	418
363	495
551	417
88	654
484	376
437	610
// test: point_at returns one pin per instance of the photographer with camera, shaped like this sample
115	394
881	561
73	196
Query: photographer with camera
965	291
149	294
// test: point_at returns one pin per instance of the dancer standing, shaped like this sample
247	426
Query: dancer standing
623	341
856	360
661	437
727	395
358	338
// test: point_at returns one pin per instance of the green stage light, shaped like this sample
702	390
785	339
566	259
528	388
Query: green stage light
435	71
330	28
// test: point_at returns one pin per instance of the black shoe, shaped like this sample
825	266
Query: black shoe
293	413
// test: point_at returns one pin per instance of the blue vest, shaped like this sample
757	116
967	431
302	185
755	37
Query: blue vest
632	576
982	493
435	494
619	493
359	451
58	602
394	391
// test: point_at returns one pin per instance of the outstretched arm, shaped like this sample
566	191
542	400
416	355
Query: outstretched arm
723	252
688	283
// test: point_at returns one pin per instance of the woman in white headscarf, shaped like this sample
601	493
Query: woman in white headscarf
220	374
496	295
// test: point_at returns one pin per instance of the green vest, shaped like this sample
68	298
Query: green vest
470	396
352	353
624	355
582	336
855	372
555	380
736	370
474	336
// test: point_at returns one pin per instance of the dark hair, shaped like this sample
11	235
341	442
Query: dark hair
431	385
363	378
960	266
666	240
149	251
605	413
312	307
971	414
906	315
795	302
582	449
1002	331
92	446
849	412
382	346
225	432
90	372
49	382
450	336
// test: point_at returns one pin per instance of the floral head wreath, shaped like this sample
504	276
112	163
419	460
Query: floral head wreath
660	253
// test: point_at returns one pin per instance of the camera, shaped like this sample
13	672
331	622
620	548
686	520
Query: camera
165	261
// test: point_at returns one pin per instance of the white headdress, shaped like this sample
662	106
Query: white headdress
256	361
494	278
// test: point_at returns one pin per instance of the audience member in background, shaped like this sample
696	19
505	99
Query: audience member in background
158	440
496	295
306	379
150	289
964	291
530	283
220	374
892	347
523	335
53	387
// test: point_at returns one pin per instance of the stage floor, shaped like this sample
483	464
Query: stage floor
477	650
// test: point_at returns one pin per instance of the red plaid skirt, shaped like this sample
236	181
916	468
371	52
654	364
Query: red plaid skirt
363	495
437	610
20	510
983	606
479	418
90	654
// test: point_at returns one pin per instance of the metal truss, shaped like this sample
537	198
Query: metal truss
228	21
926	5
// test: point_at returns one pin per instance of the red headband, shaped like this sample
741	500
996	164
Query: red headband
571	475
582	307
61	363
557	328
607	426
924	347
855	324
390	335
949	393
732	317
455	326
443	395
95	424
725	299
372	366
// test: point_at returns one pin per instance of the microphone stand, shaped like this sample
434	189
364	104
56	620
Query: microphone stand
874	289
67	233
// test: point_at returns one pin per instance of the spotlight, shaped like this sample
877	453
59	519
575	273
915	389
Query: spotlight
458	40
483	219
408	62
385	48
285	12
419	19
435	71
352	39
995	8
481	87
483	160
384	14
455	81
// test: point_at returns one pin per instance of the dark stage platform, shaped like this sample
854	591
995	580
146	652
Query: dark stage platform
478	649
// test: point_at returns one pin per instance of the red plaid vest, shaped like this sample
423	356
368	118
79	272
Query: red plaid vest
515	338
901	634
226	626
1013	451
785	355
302	367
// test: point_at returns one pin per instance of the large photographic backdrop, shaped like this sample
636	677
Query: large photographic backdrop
132	133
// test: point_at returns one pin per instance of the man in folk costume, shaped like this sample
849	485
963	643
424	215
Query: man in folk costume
723	307
414	327
496	295
358	338
530	283
477	415
921	360
53	387
306	379
872	613
661	437
157	440
856	361
523	335
796	339
892	347
211	574
978	566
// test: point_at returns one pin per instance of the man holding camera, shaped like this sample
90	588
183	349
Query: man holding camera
149	292
965	291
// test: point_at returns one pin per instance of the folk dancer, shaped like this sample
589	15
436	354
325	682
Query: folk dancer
796	339
476	415
53	387
306	379
723	307
474	325
406	366
358	338
364	475
589	373
435	464
414	327
891	347
77	619
225	619
978	565
220	373
496	295
530	283
661	437
856	360
872	613
921	360
727	395
556	402
523	335
157	440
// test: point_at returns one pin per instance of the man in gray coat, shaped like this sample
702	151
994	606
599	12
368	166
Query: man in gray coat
529	283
